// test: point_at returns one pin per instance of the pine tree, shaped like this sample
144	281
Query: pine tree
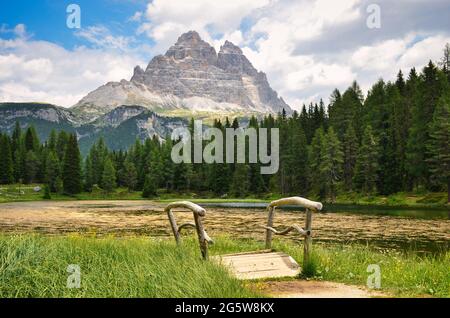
129	175
72	167
16	151
52	171
31	166
61	144
445	61
439	145
31	139
350	151
150	188
109	176
6	163
88	174
240	182
366	169
316	178
330	168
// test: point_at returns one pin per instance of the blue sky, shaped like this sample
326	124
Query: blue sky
306	47
46	19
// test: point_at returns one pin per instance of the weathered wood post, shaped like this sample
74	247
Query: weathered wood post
174	226
269	233
306	233
308	238
198	212
201	237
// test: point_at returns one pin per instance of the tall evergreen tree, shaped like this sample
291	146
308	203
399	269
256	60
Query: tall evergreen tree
350	152
439	145
240	182
6	164
366	169
52	171
331	165
129	175
108	182
72	167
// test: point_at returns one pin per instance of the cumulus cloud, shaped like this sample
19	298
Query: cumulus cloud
45	72
306	47
166	20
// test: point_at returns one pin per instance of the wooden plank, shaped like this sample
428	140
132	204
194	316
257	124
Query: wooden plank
260	265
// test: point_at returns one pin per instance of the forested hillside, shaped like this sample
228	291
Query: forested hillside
395	139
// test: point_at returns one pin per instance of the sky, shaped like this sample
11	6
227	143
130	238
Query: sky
307	48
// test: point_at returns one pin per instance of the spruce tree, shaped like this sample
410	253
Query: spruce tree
330	168
31	166
240	182
150	188
129	175
366	169
439	145
72	167
316	178
350	151
109	176
6	163
52	171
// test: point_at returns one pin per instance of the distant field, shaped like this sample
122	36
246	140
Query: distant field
15	193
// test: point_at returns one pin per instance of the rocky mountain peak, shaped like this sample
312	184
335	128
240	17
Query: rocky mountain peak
189	37
190	45
193	77
138	74
230	48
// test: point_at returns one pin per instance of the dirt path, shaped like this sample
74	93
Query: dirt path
313	289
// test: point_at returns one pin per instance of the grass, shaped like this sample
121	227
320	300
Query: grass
11	193
35	266
402	274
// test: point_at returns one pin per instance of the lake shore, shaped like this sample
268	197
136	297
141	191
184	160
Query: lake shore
433	200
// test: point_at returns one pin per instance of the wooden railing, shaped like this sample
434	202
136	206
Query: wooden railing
204	239
306	233
198	212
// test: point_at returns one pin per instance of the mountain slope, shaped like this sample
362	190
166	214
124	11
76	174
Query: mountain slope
120	128
190	76
44	117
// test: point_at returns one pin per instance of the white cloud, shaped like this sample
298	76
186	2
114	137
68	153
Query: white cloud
101	37
272	34
166	20
42	71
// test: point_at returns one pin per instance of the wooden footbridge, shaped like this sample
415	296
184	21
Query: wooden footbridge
265	263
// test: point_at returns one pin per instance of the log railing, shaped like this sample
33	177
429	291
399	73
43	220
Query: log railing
198	212
306	233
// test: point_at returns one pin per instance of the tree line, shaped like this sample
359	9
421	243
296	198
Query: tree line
396	139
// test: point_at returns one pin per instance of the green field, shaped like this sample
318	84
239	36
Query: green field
16	193
36	266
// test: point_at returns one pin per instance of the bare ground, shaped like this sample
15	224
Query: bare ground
313	289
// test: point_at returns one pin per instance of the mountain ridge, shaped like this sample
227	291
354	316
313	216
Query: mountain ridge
191	76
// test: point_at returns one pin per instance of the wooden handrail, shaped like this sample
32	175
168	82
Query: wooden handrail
198	212
306	233
308	204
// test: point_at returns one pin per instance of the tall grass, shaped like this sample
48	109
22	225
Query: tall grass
36	266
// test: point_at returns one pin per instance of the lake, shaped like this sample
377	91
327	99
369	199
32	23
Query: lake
417	230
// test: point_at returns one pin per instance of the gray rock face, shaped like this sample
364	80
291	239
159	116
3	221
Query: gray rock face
191	75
